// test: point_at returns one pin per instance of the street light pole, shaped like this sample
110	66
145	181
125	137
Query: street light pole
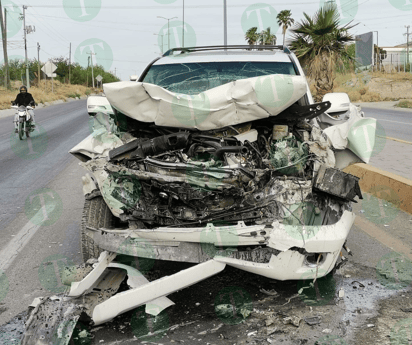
25	47
407	43
168	29
225	22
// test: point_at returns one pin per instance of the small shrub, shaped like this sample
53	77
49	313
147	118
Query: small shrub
404	104
354	96
88	92
363	91
371	97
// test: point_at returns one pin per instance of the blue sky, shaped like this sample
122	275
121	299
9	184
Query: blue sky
122	32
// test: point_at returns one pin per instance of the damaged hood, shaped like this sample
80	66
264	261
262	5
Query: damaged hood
230	104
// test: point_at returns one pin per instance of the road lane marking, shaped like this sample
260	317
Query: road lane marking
403	123
394	139
19	241
383	237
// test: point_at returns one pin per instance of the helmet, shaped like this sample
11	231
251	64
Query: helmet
23	87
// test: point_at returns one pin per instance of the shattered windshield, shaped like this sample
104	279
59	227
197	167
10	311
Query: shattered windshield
194	78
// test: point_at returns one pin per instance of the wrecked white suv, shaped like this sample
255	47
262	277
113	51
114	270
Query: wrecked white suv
219	156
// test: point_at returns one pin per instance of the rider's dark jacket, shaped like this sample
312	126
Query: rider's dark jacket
24	99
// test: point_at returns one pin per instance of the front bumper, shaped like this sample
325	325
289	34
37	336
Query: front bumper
288	246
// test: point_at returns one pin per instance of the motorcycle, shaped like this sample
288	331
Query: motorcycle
24	119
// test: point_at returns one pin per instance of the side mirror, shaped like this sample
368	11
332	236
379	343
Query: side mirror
340	102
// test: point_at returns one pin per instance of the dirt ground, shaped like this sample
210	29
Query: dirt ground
374	86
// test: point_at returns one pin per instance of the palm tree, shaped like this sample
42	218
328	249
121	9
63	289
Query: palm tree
267	38
252	36
285	20
320	44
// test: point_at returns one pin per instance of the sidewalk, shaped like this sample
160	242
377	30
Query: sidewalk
382	105
396	157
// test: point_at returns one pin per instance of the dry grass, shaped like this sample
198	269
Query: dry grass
43	94
404	104
355	85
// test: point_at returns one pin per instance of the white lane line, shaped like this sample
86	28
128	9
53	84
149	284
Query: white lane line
403	123
20	240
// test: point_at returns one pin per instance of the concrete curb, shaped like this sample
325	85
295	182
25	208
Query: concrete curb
10	112
371	177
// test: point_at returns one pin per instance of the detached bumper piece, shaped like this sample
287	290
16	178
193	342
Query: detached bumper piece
337	183
52	320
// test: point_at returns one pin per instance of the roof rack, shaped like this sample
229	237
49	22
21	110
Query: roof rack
234	47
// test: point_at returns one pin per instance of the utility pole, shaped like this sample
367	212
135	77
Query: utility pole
377	50
38	61
183	29
70	62
25	47
4	37
87	74
91	55
225	22
115	72
168	29
407	43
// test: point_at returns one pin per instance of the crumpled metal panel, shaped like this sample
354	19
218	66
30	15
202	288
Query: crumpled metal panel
230	104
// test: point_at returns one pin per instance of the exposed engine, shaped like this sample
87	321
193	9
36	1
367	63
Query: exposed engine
255	172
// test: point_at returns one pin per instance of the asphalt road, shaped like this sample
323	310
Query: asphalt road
33	172
396	123
31	237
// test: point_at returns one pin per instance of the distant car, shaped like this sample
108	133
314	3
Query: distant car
98	103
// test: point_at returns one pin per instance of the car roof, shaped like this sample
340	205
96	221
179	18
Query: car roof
224	56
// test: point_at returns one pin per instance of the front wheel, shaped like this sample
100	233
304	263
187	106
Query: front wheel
21	130
96	214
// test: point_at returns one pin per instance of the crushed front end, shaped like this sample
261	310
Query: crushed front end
262	196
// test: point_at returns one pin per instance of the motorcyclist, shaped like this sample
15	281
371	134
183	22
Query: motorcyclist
24	98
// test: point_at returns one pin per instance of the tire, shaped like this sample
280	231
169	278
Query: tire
96	214
20	129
